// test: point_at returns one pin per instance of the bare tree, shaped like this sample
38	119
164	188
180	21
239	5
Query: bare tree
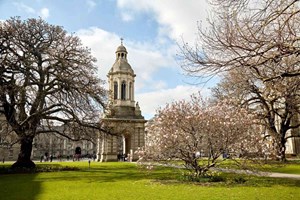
47	78
198	134
275	104
257	44
247	34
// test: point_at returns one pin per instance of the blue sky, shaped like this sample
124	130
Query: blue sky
150	28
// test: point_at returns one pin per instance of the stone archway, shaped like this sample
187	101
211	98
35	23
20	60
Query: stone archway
128	136
124	146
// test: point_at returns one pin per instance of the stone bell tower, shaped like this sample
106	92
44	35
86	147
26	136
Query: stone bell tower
123	116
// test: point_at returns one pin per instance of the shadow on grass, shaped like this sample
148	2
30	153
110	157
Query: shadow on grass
111	173
18	184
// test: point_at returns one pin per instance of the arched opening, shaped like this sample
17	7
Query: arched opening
122	55
124	146
123	90
78	150
77	153
115	90
127	145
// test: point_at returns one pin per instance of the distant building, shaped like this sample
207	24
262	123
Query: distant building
59	147
293	142
7	137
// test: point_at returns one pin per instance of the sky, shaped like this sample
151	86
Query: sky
152	30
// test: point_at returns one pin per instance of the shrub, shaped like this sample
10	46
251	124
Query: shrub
239	180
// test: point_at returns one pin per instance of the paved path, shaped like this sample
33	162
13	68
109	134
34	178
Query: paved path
282	175
258	173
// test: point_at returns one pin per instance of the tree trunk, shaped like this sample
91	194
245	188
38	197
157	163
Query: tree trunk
281	155
24	160
280	151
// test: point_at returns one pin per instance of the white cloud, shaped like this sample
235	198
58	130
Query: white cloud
23	7
151	101
126	16
160	85
176	17
103	46
44	13
91	4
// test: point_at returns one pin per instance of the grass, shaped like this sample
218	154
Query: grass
127	181
290	167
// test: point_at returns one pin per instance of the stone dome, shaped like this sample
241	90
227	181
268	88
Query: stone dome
121	66
121	48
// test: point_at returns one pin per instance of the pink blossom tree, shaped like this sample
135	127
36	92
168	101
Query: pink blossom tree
199	133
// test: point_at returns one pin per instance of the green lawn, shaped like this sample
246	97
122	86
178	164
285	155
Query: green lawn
126	181
290	167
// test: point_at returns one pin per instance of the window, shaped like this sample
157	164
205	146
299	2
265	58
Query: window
123	91
115	90
130	91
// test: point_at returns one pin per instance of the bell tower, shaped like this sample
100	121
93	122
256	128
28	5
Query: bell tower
123	116
121	86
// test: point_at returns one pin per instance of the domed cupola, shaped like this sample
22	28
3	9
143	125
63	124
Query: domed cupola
121	64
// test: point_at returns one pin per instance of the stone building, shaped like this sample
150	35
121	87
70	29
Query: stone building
7	137
60	147
123	117
293	142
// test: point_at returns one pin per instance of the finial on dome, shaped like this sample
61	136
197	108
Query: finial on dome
122	41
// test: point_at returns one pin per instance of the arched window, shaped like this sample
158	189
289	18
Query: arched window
115	90
130	91
123	90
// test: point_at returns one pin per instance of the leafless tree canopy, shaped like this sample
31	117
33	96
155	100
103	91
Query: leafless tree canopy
275	104
47	78
247	34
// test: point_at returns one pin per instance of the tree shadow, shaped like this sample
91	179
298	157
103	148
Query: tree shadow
18	184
